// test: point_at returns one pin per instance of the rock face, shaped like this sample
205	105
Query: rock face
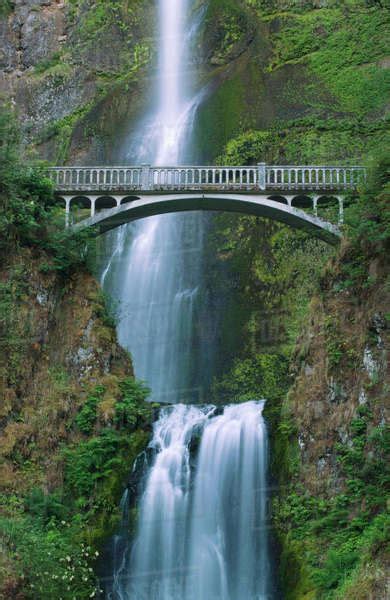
332	504
72	421
59	59
40	32
62	348
347	347
31	33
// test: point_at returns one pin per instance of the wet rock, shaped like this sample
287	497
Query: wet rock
378	323
139	470
42	298
39	35
8	47
321	464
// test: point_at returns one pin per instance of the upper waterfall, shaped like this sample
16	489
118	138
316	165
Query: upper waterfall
154	267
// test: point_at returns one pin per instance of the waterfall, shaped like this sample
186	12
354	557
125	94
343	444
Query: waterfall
202	527
154	270
202	515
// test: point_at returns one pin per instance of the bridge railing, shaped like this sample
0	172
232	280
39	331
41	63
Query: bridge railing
314	177
258	177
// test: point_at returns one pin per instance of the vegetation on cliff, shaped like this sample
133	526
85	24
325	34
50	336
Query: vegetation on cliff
332	445
72	416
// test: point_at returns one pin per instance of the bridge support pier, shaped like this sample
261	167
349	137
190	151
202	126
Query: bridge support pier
315	205
341	209
68	200
92	200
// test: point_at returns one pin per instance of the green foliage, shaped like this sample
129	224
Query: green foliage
6	6
92	461
341	47
86	418
262	376
369	216
344	531
65	527
46	508
29	215
49	63
96	467
131	409
51	561
334	345
226	25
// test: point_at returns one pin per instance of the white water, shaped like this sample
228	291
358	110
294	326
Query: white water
155	265
203	530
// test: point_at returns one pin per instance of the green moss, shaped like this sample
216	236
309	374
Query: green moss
341	47
95	470
6	7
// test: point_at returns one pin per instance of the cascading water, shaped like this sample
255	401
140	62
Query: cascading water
201	532
202	528
155	266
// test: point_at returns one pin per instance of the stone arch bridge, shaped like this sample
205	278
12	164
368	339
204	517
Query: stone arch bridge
118	195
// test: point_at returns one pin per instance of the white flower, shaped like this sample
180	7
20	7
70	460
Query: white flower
68	558
96	553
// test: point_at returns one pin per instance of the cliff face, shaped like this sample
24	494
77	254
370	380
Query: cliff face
56	349
60	60
72	420
332	445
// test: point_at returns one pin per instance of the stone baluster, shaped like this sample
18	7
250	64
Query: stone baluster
145	177
261	175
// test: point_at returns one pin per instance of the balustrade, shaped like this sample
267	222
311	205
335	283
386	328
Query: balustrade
245	178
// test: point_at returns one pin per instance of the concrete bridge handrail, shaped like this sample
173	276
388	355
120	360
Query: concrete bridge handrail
147	178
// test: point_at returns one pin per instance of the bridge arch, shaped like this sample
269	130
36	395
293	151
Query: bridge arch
278	198
127	199
103	202
302	201
259	205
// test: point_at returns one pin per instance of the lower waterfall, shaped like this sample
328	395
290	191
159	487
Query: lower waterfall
202	531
